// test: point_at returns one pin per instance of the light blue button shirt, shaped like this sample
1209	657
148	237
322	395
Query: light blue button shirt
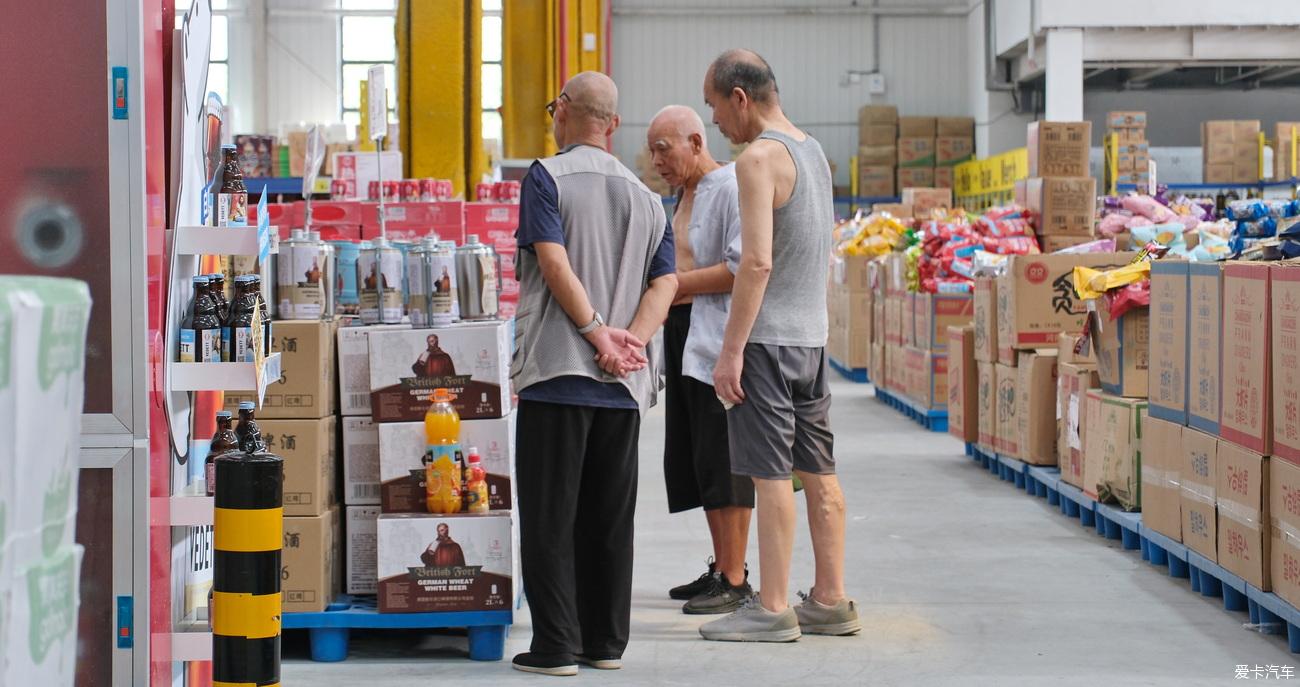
714	232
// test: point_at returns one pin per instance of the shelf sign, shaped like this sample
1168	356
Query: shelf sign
377	102
996	174
263	232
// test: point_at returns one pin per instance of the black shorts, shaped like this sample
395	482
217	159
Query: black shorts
784	423
697	456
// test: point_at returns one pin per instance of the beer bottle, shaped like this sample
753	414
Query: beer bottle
217	287
239	327
188	336
255	285
207	326
247	431
223	441
232	197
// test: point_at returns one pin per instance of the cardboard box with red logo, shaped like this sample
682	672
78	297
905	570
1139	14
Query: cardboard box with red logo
1247	416
1036	299
1286	360
1005	394
1242	493
492	220
963	420
935	313
927	377
1284	524
407	221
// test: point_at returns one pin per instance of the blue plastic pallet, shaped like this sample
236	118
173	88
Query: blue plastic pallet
987	459
1012	470
1045	483
1114	523
329	630
1076	504
1159	550
853	374
933	420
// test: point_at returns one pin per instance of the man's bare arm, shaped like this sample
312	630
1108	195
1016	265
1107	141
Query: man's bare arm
616	351
714	279
653	308
757	190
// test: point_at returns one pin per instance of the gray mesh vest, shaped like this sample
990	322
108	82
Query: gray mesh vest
612	227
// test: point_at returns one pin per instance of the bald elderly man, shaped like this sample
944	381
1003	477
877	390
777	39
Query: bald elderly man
697	458
596	278
772	367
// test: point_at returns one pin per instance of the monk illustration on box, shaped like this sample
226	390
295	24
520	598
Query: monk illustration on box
447	553
434	362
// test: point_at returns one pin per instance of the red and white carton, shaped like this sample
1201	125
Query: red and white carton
509	287
325	213
507	309
485	192
278	214
410	191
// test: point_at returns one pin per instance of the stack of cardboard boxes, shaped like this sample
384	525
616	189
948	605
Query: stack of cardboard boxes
1132	150
1283	135
900	152
849	302
925	359
1230	151
1059	193
1112	469
877	151
954	144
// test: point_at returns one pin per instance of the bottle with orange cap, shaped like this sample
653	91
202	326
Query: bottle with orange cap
442	474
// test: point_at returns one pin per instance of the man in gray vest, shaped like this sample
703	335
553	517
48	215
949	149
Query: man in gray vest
772	369
596	278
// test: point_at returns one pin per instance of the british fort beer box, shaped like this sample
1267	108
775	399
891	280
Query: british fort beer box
470	360
433	563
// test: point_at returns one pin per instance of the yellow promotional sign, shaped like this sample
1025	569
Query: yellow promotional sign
997	174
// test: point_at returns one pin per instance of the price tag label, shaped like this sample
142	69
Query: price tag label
377	102
263	231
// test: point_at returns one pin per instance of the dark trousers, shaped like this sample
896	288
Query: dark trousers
577	471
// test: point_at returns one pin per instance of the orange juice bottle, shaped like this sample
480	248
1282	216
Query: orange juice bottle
442	438
476	489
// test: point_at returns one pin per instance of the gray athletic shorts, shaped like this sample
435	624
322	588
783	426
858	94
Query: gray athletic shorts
784	422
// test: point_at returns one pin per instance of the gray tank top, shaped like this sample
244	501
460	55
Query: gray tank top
794	306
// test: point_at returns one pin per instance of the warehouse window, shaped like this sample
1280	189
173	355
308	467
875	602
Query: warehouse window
366	38
491	71
219	53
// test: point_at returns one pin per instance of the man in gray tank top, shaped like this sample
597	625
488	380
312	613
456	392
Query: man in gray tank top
772	370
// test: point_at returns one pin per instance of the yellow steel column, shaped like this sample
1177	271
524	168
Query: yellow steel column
434	100
529	43
476	160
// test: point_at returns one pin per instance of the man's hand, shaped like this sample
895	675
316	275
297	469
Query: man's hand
726	378
618	352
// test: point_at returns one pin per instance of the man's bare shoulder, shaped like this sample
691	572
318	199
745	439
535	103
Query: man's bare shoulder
759	153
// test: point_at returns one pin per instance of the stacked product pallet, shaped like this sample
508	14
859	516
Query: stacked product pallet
900	152
1132	152
1230	151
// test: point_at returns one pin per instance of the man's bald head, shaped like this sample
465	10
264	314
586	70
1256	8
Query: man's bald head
677	120
592	95
746	70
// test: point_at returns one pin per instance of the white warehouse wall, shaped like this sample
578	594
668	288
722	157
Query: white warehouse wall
659	58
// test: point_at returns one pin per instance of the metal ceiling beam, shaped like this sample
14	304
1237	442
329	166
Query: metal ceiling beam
1280	74
1146	75
1243	76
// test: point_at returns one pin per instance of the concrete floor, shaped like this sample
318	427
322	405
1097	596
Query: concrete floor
960	578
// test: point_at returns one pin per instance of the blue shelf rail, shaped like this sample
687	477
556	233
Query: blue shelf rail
853	374
933	420
329	630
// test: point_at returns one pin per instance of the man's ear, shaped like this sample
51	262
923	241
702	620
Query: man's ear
697	142
613	125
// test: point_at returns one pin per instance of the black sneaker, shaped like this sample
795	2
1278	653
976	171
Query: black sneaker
720	597
546	664
600	662
691	590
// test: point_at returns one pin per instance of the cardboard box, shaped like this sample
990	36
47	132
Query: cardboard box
1284	521
1162	446
310	575
915	177
936	313
878	114
433	563
916	127
943	177
361	525
359	167
1217	173
354	367
852	272
899	210
986	404
877	367
916	152
1073	381
1204	344
1063	205
1067	344
471	360
1282	149
923	200
963	378
1198	478
1133	162
1247	416
908	309
1123	348
878	319
955	126
927	375
1059	149
402	451
1167	383
1126	119
1035	408
308	448
1036	299
1243	530
951	150
306	386
877	134
883	155
360	461
1094	452
1219	152
986	320
1285	316
894	320
1127	136
1121	445
1007	439
876	181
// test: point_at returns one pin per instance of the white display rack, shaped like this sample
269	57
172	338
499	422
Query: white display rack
191	507
224	376
200	240
191	641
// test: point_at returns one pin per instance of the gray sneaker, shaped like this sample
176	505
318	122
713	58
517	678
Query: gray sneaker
753	623
817	618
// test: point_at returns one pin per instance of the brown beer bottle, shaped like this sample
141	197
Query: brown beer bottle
223	441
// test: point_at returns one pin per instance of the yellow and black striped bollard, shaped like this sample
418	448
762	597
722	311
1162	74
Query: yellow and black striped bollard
247	537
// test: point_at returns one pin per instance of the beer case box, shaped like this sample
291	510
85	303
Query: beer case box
472	360
1036	299
1121	426
361	528
923	200
1167	380
1059	149
943	177
877	134
354	366
1162	445
936	313
908	309
1247	416
310	454
1123	350
1062	206
986	404
963	406
1243	529
915	177
876	181
916	152
878	155
951	150
1035	408
1198	471
1284	520
306	386
960	127
1074	381
311	575
360	461
435	563
1126	119
402	450
1094	452
1006	413
985	319
1068	344
1204	345
1286	360
916	127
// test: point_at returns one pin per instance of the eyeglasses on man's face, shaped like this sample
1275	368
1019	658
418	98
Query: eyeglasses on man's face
550	107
